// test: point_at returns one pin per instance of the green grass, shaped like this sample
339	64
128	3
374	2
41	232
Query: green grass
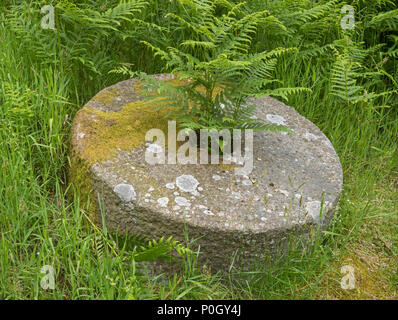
40	226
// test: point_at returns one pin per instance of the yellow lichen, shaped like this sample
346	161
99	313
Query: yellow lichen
227	167
106	96
106	133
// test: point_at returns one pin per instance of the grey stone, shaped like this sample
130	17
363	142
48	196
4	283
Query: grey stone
292	175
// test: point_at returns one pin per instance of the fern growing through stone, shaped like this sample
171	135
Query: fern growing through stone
217	73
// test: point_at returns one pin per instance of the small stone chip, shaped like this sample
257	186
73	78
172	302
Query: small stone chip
208	213
284	192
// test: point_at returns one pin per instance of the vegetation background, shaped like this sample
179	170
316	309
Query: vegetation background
47	75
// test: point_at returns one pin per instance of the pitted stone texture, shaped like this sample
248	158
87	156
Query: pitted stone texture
294	186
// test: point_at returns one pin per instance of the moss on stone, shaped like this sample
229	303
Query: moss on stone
79	174
107	133
106	96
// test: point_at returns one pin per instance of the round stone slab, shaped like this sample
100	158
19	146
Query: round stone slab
292	189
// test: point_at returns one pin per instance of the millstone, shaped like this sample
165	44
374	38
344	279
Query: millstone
292	190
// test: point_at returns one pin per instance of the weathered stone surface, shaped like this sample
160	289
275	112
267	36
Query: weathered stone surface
294	186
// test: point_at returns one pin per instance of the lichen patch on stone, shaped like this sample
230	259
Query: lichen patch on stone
125	192
170	186
187	183
182	202
163	201
276	119
310	137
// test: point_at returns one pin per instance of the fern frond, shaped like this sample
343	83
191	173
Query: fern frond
283	93
313	13
385	21
161	249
